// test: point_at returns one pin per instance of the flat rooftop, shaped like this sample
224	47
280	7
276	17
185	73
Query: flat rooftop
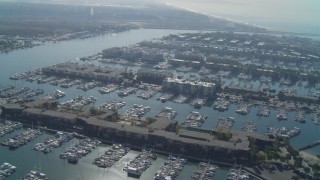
161	124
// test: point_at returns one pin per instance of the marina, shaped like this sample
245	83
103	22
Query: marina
140	163
57	94
243	108
84	147
6	88
167	113
316	118
35	175
33	93
171	168
87	86
165	97
13	92
111	156
59	82
282	114
263	111
249	127
283	132
194	119
183	111
24	157
198	102
69	83
136	111
300	117
108	89
205	171
9	127
21	139
225	122
78	102
147	94
59	168
237	174
6	169
52	143
180	99
127	91
112	105
221	105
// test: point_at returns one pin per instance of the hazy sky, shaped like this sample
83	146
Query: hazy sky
287	15
303	14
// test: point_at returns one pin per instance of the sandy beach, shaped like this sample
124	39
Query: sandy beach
309	157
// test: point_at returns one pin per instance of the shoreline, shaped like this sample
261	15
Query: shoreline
218	17
309	156
271	30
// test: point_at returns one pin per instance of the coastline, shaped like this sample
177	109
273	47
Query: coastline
272	30
309	156
220	17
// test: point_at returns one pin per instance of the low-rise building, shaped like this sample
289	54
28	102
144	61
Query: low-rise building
153	76
158	136
184	86
85	71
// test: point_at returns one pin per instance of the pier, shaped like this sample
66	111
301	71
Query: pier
309	146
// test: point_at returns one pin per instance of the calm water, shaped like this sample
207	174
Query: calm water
29	59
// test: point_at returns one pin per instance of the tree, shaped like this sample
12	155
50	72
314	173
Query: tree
307	170
295	177
261	157
298	162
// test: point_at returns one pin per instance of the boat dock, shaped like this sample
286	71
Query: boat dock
127	91
8	127
136	111
78	102
84	147
243	109
52	143
140	163
249	127
221	105
21	139
225	123
167	113
108	89
204	171
111	156
194	119
112	105
35	175
147	94
6	169
165	97
171	168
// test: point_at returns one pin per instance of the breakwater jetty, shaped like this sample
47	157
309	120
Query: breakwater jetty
309	146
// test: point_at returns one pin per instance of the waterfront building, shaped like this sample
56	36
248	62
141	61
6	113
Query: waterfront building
181	62
152	76
190	87
158	135
86	71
